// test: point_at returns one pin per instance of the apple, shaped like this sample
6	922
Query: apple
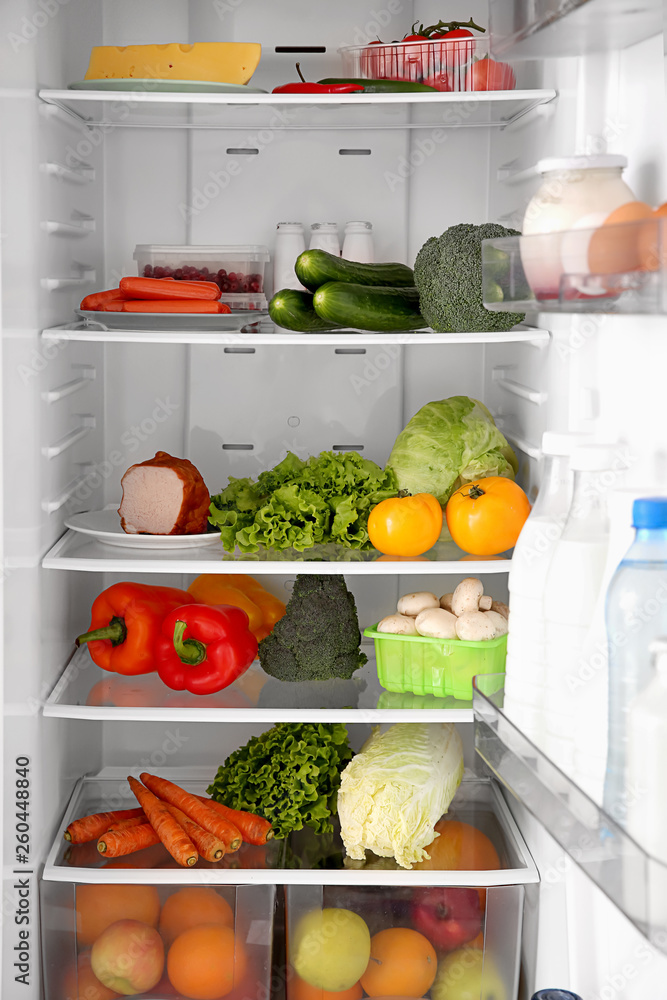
128	957
331	948
447	915
468	974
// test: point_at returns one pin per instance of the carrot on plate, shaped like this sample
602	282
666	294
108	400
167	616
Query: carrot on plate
158	288
254	829
118	843
169	830
171	306
96	299
93	826
198	811
210	847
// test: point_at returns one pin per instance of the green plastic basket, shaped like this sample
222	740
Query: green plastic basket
439	667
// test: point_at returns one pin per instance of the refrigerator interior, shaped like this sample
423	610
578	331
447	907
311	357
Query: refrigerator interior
74	201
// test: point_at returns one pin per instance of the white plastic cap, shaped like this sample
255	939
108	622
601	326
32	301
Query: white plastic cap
599	162
562	443
593	457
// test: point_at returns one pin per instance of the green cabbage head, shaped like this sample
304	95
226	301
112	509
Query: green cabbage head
448	443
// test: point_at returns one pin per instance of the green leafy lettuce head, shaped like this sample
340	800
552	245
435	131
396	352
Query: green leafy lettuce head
447	443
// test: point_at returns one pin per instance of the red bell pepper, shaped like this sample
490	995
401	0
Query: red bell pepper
305	87
203	648
125	622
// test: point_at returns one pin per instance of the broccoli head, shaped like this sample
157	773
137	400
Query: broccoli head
448	276
318	637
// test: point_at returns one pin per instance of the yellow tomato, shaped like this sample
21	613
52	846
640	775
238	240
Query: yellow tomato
486	517
405	525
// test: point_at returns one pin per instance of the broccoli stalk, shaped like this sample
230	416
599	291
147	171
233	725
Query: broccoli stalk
448	276
318	637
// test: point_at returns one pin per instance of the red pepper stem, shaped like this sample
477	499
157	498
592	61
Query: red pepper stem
298	69
190	651
115	631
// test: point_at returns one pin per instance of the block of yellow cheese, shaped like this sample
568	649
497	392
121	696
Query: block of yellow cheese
221	62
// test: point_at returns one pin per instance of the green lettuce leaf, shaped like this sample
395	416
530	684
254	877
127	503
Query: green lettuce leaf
448	443
290	775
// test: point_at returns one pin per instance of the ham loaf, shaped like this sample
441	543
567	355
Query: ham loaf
164	496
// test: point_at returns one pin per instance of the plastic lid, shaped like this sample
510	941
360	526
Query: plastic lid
358	227
600	162
650	512
562	443
555	995
297	226
593	457
257	250
332	226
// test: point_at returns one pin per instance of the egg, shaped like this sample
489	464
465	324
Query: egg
652	241
614	247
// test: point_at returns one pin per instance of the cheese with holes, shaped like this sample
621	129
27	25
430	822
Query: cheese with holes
221	62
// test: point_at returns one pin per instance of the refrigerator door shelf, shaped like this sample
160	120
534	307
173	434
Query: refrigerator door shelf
303	858
635	882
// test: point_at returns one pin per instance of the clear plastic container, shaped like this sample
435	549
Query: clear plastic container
441	667
236	269
450	65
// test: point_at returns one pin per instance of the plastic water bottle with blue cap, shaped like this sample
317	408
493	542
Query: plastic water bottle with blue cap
636	616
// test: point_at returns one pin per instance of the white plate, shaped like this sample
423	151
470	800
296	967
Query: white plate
151	85
104	526
171	321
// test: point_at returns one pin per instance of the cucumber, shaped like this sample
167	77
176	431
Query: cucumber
294	311
368	308
316	267
385	86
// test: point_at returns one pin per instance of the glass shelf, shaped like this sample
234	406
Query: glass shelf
571	27
76	551
302	858
297	112
618	268
269	335
635	882
85	691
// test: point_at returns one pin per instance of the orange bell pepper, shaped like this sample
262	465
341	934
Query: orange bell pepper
241	591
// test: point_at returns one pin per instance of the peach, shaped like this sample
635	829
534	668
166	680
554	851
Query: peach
128	957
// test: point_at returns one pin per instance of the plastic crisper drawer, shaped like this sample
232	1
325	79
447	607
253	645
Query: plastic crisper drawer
300	858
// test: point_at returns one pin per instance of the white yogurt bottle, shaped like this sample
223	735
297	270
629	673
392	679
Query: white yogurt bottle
576	191
358	242
290	242
324	236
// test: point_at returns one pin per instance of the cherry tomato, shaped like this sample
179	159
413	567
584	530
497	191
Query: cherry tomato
440	80
487	74
486	517
405	526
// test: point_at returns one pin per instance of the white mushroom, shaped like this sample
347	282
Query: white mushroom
466	596
499	622
446	601
485	602
414	604
501	608
398	625
436	623
475	626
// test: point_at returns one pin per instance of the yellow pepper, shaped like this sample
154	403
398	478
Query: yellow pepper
241	591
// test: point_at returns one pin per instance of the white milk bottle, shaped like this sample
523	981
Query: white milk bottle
358	243
573	585
290	242
526	643
324	236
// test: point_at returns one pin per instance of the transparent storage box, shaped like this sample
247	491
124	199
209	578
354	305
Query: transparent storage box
238	270
440	667
620	267
450	65
476	956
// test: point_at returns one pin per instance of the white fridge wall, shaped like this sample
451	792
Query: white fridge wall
148	397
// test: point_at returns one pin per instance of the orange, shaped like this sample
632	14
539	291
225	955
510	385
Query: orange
653	238
460	847
192	907
299	989
98	906
403	963
614	246
81	983
477	942
205	962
